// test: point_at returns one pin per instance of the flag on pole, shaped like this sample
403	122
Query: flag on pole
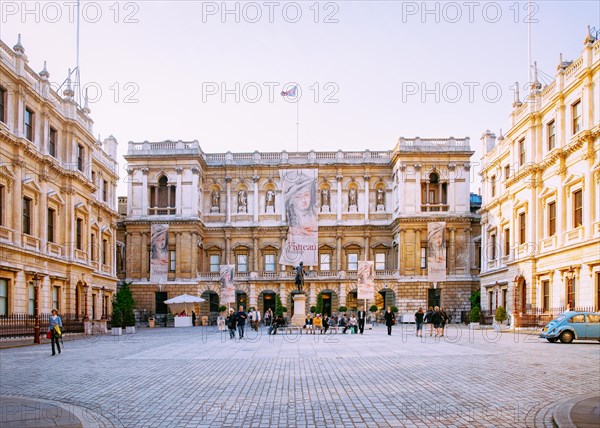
290	92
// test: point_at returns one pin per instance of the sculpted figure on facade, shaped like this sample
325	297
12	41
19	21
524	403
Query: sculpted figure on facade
270	200
352	197
325	199
215	197
242	201
380	199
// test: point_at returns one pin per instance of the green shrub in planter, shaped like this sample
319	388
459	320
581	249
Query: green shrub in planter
475	314
343	309
373	308
394	309
222	308
313	309
500	314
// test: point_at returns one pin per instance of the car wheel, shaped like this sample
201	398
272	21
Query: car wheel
566	337
553	340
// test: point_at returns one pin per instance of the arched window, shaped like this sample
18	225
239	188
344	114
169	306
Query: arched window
162	197
434	193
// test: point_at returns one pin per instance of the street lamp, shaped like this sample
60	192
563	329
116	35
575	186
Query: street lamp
36	311
570	293
85	297
103	305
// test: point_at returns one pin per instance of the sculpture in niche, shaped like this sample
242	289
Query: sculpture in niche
380	199
352	197
270	198
325	199
215	197
242	201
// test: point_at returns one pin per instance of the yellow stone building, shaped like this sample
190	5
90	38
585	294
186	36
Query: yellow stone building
57	198
228	209
541	196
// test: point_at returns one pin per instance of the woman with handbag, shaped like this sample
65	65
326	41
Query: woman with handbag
390	320
54	326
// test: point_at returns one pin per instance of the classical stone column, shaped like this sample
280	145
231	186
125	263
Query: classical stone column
255	266
194	255
144	203
342	295
144	253
178	199
367	178
417	251
452	187
17	194
338	252
401	241
228	201
312	300
468	248
256	197
452	251
339	178
561	206
418	201
178	254
401	182
195	194
253	296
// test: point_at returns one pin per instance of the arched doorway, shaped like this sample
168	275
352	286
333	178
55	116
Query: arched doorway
352	300
211	304
330	302
384	298
241	299
523	291
267	300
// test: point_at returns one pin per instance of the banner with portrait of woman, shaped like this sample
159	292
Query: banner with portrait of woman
226	277
436	251
365	280
299	192
159	252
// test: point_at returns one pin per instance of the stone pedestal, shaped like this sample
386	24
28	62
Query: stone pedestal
299	310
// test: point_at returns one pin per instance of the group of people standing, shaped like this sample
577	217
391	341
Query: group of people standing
436	318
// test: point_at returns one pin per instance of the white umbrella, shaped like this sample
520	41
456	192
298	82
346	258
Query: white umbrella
184	299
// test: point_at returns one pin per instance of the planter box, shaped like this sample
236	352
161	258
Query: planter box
116	331
474	326
129	330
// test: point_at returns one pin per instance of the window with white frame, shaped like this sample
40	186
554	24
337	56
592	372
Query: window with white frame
172	260
56	298
3	297
576	112
270	264
352	261
577	208
325	261
551	130
29	115
215	262
379	261
423	257
31	300
52	142
242	262
551	218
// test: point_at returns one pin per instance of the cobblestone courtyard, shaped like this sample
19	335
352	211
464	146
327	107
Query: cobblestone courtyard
197	377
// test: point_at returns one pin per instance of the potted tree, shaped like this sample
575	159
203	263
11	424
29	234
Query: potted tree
500	316
373	309
313	309
116	319
474	317
342	309
123	305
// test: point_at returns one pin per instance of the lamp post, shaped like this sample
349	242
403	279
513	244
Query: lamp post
514	312
85	297
570	294
103	305
36	311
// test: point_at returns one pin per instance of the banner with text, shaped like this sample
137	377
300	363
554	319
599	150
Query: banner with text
366	280
159	252
226	277
436	251
299	191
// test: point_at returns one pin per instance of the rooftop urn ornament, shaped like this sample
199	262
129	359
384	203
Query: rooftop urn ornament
44	73
18	48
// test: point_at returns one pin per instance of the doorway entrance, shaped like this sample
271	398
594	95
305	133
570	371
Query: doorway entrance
434	297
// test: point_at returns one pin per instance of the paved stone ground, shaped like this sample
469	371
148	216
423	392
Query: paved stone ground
194	377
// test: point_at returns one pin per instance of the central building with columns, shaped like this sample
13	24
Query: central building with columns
228	209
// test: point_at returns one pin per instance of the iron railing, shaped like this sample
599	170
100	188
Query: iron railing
15	326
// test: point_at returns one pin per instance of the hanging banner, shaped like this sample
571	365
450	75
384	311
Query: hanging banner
366	280
226	277
436	251
299	191
159	253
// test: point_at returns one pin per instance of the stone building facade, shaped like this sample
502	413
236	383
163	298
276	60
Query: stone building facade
541	195
57	198
227	208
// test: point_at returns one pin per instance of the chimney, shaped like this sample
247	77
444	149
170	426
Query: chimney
489	140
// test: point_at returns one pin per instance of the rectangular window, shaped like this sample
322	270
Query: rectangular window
270	263
80	157
551	129
31	301
506	172
55	298
522	152
29	115
507	242
522	230
105	190
325	261
577	208
352	261
493	184
78	232
2	104
3	297
104	251
215	263
93	247
380	261
493	246
242	262
551	218
27	216
51	216
52	142
576	111
545	295
2	205
423	257
172	260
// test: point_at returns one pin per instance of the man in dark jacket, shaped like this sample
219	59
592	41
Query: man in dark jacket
390	320
361	316
231	323
241	321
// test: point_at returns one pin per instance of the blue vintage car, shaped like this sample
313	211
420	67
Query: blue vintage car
572	325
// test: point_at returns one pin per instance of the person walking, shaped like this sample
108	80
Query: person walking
326	321
241	317
232	323
445	319
362	316
428	319
436	319
419	317
54	327
268	317
390	320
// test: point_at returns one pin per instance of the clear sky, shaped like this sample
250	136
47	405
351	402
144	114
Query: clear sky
369	72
